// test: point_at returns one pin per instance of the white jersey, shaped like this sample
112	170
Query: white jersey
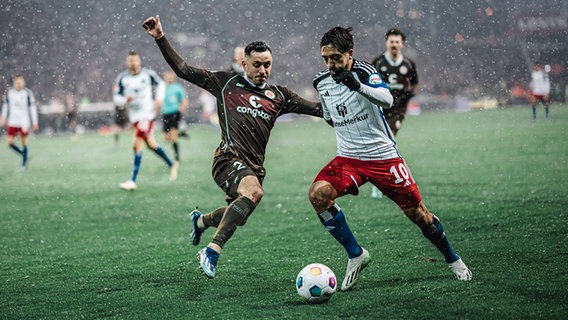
540	83
361	130
19	108
140	87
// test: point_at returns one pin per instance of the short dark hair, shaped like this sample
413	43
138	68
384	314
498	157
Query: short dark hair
394	32
133	53
257	46
338	37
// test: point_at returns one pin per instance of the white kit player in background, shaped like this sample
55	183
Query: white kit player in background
19	114
540	88
142	91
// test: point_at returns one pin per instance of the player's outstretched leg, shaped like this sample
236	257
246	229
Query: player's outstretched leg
14	147
24	157
234	215
460	270
201	222
131	184
196	232
437	236
354	267
334	221
208	261
173	165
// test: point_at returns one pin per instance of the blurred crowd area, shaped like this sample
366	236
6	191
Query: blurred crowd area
474	54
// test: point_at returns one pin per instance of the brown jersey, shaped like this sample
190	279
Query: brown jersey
246	113
400	77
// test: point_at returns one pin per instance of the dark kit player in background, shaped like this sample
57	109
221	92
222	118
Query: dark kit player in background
399	72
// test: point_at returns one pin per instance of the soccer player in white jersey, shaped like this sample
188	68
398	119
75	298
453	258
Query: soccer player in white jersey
134	88
353	94
19	113
540	89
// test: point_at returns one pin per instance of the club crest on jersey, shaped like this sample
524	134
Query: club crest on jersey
269	94
403	70
341	109
253	102
375	79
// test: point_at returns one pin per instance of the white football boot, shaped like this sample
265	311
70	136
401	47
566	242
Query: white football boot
354	266
128	185
460	270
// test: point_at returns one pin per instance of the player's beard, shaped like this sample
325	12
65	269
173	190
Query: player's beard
134	70
394	51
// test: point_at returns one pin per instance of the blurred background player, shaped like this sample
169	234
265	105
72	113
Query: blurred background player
175	104
208	105
540	89
352	96
399	72
238	58
135	91
71	113
121	122
19	114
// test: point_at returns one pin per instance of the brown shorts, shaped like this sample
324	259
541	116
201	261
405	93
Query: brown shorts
228	171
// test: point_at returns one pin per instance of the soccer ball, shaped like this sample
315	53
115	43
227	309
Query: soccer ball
316	283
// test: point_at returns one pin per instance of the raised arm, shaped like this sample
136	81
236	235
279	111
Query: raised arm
194	75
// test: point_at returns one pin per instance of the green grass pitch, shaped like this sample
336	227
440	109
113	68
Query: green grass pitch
74	246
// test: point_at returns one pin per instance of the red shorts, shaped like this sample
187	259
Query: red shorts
143	128
392	177
535	98
13	131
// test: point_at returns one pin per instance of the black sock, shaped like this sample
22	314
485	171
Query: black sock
176	152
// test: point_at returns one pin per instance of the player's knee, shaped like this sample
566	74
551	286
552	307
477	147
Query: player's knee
251	188
320	194
257	195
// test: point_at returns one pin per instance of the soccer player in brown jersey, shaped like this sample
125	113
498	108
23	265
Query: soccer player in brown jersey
247	107
400	74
